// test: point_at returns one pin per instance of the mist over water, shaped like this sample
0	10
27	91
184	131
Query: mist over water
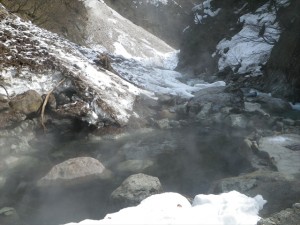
186	160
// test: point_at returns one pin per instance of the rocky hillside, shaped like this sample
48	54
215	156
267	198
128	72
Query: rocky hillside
165	19
93	24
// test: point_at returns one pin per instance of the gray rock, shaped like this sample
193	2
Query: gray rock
254	107
237	121
17	140
75	171
9	216
290	216
272	105
217	97
288	122
284	150
202	115
27	102
134	189
163	124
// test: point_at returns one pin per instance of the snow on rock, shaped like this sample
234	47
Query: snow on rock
231	208
203	11
248	50
34	58
106	28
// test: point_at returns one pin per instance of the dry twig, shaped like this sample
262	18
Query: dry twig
46	101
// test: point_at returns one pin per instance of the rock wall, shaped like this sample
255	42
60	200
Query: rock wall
282	76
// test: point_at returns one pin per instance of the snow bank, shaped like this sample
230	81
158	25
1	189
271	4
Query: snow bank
230	208
248	50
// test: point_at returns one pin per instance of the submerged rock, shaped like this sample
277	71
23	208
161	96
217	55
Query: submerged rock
134	166
134	189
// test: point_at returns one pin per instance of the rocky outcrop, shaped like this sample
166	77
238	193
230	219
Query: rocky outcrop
135	189
282	72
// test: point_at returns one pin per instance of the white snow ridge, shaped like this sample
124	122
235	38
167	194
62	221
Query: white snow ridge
231	208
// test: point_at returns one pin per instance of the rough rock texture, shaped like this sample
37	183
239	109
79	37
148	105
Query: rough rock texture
290	216
283	69
279	191
134	189
284	150
213	99
33	57
27	103
74	171
166	21
270	104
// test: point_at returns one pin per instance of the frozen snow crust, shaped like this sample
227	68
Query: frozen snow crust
231	208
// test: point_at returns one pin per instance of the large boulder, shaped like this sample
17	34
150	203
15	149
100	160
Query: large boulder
134	189
73	172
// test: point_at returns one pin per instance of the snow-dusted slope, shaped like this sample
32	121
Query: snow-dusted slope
106	28
230	208
33	58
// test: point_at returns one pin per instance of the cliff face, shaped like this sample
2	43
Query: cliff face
254	38
282	75
218	20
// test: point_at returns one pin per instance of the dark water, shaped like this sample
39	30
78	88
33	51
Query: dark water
185	160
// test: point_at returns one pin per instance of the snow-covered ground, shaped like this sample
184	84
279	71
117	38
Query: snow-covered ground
230	208
248	50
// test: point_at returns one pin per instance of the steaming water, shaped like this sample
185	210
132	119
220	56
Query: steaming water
185	160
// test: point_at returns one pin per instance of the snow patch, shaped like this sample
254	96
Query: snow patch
248	50
231	208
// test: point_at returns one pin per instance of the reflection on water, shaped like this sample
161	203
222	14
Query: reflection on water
185	160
